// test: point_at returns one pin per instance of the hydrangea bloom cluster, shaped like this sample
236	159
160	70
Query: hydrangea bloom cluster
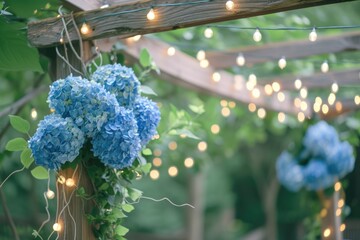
107	111
119	80
329	160
56	141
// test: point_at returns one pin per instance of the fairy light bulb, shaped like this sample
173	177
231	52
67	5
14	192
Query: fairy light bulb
268	89
337	186
208	33
318	100
204	63
171	51
298	83
202	146
317	107
303	106
325	67
50	194
85	29
216	77
33	114
303	92
281	96
261	113
338	106
189	162
225	111
325	109
327	232
240	60
334	87
257	35
229	5
276	86
301	116
313	35
61	40
200	55
357	100
252	107
154	174
61	179
281	117
331	98
297	102
255	93
342	227
282	63
173	171
70	182
215	129
57	227
136	38
151	15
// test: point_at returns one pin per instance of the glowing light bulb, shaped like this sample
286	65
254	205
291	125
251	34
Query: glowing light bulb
341	203
50	194
337	186
216	77
157	162
301	116
225	111
252	107
297	102
85	29
276	86
282	63
189	162
325	109
136	38
342	227
200	55
257	35
61	179
318	100
215	129
204	63
255	93
33	114
70	182
154	174
104	6
171	51
281	117
303	92
223	103
298	83
317	107
202	146
232	104
229	5
268	89
325	67
240	60
281	96
208	33
173	171
252	79
151	15
338	106
303	106
313	35
331	98
334	87
57	227
357	100
61	40
327	232
261	113
172	146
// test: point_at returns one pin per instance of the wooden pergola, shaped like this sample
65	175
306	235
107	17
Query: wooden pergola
116	20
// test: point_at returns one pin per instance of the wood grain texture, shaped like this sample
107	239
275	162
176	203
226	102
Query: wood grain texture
185	70
289	49
107	22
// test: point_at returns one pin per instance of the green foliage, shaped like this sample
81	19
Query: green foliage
16	144
40	173
26	158
147	90
145	58
19	124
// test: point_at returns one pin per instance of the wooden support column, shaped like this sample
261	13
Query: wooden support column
71	214
195	223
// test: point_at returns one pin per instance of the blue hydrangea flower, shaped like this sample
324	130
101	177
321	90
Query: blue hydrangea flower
289	173
316	175
86	102
320	139
341	161
56	141
119	80
147	116
118	144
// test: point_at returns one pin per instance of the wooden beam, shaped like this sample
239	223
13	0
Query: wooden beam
84	5
319	80
291	50
185	70
129	20
347	105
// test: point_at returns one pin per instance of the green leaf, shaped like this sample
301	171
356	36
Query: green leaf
147	90
185	132
26	158
121	230
104	186
128	208
19	124
40	173
197	109
146	168
145	58
134	194
16	144
147	152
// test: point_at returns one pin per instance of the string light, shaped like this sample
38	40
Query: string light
303	92
189	162
104	6
341	203
338	212
157	152
172	145
208	33
70	182
297	102
61	179
202	146
342	227
232	104
33	114
323	212
225	111
298	83
357	100
252	81
325	109
156	136
261	113
338	106
317	107
154	174
61	40
200	55
50	194
204	63
257	35
303	106
171	51
240	60
255	93
85	29
331	99
216	77
313	35
136	38
157	162
57	227
223	103
327	232
337	186
325	67
276	86
252	107
281	96
318	100
151	15
229	5
301	116
215	129
281	117
282	63
268	89
173	171
334	87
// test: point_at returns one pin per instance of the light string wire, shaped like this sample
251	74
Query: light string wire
7	178
162	199
46	206
285	28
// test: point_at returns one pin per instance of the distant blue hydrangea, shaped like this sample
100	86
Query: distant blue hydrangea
119	80
289	173
56	141
86	102
118	144
320	139
147	116
341	160
317	176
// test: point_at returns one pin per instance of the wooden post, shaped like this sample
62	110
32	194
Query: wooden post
195	227
330	222
72	210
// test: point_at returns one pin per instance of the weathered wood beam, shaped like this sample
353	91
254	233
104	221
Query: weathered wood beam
129	20
84	5
290	49
347	105
319	80
185	70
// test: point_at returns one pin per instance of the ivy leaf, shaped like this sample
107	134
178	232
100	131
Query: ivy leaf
147	90
121	230
145	58
19	124
134	193
147	152
26	158
40	173
128	208
16	144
